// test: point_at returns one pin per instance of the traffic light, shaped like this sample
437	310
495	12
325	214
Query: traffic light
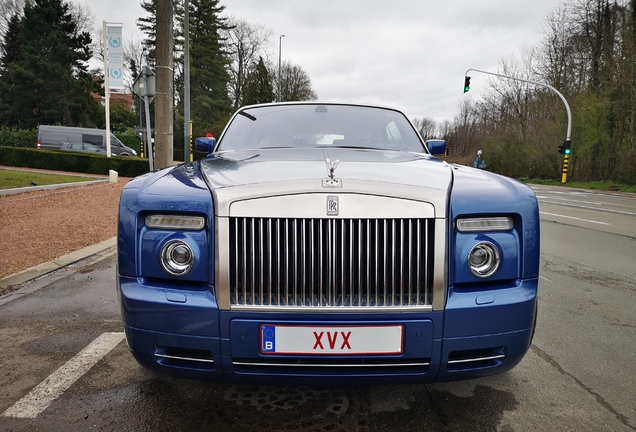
564	148
466	84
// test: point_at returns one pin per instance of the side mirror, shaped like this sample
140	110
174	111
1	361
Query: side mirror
436	146
205	144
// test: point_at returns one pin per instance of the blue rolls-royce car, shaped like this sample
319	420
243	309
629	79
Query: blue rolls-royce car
327	244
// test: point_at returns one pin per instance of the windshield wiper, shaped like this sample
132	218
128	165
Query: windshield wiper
248	115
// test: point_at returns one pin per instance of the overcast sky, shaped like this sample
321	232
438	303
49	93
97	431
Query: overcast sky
408	54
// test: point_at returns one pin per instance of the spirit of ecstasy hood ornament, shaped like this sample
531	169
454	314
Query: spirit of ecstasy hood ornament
331	167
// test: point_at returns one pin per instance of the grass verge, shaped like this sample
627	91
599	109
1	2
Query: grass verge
10	179
604	185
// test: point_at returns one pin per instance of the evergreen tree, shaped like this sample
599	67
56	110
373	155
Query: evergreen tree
258	85
45	80
11	49
9	8
209	60
147	26
11	52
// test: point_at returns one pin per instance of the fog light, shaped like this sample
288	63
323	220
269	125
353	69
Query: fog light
177	258
483	259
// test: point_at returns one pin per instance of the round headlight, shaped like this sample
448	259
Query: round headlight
483	259
177	258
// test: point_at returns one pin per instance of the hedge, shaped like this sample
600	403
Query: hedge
18	137
10	137
126	166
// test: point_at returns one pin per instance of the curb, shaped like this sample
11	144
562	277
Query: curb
15	191
105	248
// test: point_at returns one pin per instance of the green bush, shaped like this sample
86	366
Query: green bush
130	139
125	166
10	137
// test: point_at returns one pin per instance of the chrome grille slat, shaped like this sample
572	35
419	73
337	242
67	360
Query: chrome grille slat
287	267
393	272
418	268
253	285
368	259
377	261
318	263
386	234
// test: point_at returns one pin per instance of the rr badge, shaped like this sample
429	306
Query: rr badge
332	206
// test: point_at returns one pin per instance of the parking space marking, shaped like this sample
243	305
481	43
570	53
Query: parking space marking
38	399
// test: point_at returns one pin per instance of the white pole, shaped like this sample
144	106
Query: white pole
149	146
106	89
280	45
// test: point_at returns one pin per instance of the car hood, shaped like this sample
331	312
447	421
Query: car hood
246	174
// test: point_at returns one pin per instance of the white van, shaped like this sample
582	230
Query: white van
52	138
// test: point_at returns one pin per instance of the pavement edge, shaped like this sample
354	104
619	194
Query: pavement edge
104	248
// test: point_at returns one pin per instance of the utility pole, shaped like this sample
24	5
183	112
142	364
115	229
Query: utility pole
567	143
187	124
164	130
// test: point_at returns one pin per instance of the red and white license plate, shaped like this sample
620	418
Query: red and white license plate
332	340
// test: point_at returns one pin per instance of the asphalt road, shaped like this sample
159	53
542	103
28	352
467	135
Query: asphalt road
64	364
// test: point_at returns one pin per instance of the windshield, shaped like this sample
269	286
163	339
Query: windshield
320	126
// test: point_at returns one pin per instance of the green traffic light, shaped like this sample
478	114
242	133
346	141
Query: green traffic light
567	151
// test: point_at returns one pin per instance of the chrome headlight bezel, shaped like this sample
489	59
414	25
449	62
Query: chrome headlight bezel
484	259
176	258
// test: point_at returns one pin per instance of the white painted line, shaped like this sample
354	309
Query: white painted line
565	200
545	278
38	399
602	210
572	217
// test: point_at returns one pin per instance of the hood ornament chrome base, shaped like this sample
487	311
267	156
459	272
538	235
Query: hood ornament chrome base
331	183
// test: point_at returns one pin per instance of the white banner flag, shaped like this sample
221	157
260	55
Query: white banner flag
115	57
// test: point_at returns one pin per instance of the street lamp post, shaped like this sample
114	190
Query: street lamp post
280	44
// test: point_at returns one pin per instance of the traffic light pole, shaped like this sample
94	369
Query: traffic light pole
566	157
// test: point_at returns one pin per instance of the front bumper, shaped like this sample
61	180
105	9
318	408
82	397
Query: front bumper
183	333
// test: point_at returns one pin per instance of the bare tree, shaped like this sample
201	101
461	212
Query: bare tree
83	16
295	84
134	59
427	127
558	61
245	43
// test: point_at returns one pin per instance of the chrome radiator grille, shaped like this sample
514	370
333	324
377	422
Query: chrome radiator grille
331	262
